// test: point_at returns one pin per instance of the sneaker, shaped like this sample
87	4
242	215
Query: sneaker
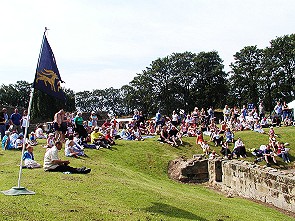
97	147
88	170
268	164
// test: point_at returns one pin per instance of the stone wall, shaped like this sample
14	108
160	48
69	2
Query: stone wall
239	178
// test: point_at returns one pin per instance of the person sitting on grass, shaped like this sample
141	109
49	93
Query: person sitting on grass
271	132
109	137
199	139
225	151
28	158
164	136
269	156
212	155
264	122
151	128
98	139
216	137
136	134
223	127
32	139
283	153
6	142
39	132
175	136
257	127
72	148
19	142
69	149
229	135
205	147
191	131
50	141
52	163
239	149
273	143
287	121
13	137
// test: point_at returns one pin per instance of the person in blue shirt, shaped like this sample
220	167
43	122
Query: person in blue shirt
6	142
158	119
28	158
16	121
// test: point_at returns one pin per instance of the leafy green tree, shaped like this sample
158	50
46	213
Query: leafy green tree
16	95
45	106
247	70
210	84
129	102
282	54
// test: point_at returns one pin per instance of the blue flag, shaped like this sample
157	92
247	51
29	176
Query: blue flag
47	78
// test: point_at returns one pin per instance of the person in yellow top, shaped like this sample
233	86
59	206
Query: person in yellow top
98	139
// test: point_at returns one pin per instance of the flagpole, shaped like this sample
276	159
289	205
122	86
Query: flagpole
21	190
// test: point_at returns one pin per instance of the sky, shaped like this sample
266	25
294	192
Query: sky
100	44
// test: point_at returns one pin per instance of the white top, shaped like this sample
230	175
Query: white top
174	117
68	148
18	142
24	121
239	143
39	133
50	155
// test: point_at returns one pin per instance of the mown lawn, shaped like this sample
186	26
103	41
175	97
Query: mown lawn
129	182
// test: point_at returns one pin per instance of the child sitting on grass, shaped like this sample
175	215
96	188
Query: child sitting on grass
28	158
19	142
206	148
6	142
32	140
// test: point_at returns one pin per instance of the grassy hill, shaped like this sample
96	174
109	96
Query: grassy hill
128	182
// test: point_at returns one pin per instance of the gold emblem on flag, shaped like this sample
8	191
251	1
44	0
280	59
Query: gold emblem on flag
48	77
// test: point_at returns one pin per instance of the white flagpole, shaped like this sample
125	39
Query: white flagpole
21	190
25	135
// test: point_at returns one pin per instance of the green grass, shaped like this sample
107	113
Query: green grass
129	182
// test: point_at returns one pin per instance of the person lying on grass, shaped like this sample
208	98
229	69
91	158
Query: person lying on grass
53	164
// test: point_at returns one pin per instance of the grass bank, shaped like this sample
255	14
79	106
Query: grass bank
128	182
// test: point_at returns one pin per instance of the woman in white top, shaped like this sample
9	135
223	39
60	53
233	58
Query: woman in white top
24	120
174	119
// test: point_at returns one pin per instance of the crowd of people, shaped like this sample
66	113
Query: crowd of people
77	133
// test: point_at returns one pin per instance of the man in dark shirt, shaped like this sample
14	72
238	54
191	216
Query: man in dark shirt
269	156
15	120
2	124
174	136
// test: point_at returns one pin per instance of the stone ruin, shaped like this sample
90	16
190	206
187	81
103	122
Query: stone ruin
238	178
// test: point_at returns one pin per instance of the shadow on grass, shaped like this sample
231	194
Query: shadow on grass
167	210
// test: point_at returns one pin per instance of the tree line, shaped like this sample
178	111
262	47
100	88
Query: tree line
181	81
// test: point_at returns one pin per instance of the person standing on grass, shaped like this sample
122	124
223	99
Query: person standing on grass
16	120
53	164
58	119
2	124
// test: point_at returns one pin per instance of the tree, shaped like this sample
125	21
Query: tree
247	70
210	84
45	106
16	95
282	53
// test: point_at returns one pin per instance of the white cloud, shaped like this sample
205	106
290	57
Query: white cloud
111	41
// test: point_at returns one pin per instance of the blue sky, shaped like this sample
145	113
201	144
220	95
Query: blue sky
101	44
